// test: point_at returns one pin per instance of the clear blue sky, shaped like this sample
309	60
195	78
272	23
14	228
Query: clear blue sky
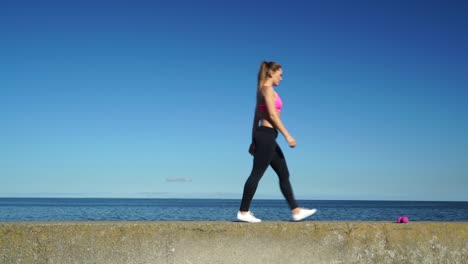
156	98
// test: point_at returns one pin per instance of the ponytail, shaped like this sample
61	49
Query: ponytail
266	68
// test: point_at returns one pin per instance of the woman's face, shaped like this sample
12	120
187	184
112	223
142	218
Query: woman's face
277	76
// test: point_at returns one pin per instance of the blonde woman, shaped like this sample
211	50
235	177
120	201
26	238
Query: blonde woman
264	147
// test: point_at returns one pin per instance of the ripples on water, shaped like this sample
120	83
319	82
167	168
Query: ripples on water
87	209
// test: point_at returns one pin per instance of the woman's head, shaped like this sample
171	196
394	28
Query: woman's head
269	71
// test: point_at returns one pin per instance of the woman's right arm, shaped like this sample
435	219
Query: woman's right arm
269	96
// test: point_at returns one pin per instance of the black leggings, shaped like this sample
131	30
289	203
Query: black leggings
267	152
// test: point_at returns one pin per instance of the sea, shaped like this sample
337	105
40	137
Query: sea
135	209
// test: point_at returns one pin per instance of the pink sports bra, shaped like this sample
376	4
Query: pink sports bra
278	104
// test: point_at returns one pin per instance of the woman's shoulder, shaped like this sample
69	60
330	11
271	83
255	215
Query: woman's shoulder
267	89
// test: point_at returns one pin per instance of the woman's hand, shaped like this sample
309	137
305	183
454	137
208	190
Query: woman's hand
291	141
252	149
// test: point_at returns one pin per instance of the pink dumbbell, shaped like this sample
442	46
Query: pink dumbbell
402	219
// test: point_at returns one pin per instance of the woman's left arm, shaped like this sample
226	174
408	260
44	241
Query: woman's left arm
254	127
255	122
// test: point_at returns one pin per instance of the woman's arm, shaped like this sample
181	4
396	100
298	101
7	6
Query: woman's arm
254	127
269	96
255	121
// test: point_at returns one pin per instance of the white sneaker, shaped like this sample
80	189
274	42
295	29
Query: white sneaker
247	217
303	214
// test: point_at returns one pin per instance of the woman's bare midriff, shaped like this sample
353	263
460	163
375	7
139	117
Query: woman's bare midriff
265	122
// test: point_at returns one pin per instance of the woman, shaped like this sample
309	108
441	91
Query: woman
264	147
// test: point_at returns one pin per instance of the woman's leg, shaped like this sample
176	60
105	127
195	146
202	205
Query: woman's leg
278	163
264	150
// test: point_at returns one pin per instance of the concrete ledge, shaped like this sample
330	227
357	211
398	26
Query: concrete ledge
231	242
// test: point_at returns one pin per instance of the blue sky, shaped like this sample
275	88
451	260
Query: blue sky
156	98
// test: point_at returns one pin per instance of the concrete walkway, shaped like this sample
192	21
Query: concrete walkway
233	242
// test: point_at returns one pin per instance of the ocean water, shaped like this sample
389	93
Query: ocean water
110	209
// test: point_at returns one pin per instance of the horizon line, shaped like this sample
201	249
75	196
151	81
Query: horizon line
213	198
